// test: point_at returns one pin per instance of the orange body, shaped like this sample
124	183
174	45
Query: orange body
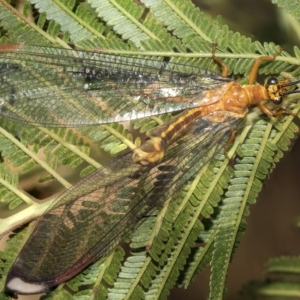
231	99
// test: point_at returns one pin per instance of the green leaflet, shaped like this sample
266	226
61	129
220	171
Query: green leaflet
163	249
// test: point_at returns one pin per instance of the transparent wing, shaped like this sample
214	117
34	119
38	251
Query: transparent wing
51	87
91	218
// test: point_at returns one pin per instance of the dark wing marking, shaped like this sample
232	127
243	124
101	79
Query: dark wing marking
90	219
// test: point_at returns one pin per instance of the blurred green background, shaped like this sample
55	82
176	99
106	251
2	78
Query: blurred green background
258	19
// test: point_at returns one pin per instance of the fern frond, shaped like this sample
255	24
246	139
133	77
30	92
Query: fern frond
124	18
147	124
16	25
290	7
114	137
284	264
255	164
163	250
281	280
72	23
9	192
58	146
200	257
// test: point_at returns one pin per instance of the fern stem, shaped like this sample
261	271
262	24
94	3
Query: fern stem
103	268
188	21
79	20
17	192
158	222
34	26
119	136
287	59
200	259
157	120
228	229
31	154
24	216
183	241
137	279
71	147
134	20
286	125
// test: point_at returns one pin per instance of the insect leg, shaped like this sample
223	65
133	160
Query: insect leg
256	64
280	112
229	143
220	62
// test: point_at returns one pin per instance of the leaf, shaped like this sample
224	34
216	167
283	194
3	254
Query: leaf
285	281
163	248
290	8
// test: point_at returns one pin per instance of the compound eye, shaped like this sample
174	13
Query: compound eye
272	81
277	100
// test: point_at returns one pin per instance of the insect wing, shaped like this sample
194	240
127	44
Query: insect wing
92	217
51	87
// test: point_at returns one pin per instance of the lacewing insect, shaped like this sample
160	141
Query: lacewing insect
52	87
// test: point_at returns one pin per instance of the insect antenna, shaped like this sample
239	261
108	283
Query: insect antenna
296	91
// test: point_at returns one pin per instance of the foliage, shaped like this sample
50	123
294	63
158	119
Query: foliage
281	280
220	194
